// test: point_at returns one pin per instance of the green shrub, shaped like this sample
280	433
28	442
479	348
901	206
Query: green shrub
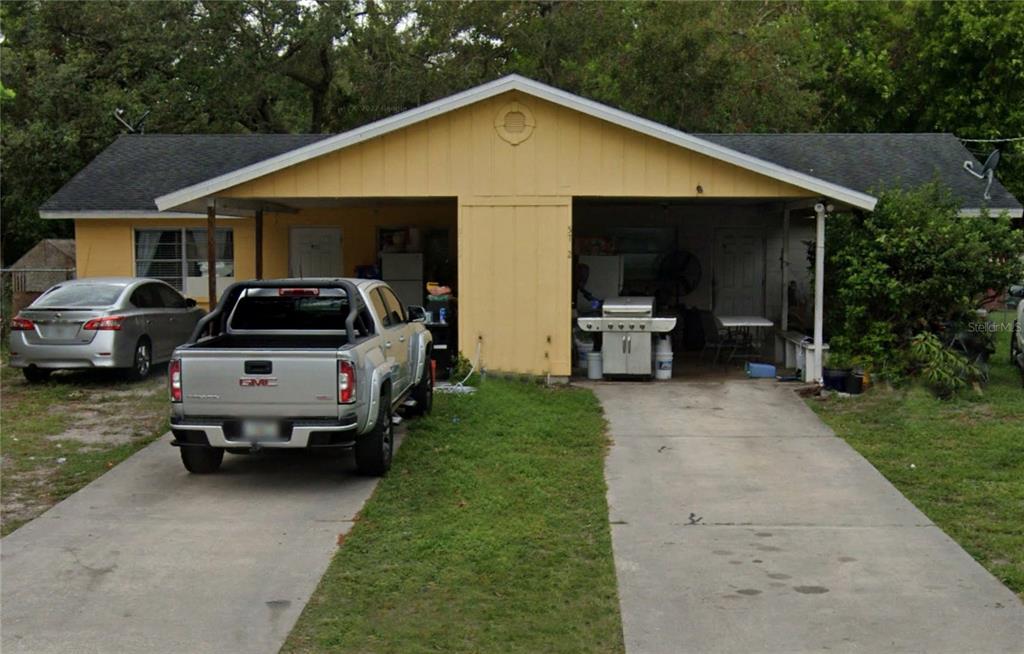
945	371
909	268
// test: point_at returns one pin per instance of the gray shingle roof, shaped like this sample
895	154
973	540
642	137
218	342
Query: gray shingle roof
135	169
872	162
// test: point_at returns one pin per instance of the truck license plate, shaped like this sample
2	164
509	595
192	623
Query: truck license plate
260	429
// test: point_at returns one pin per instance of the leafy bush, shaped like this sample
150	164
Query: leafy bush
944	370
912	267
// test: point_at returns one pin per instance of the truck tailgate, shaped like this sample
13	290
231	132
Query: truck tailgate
264	383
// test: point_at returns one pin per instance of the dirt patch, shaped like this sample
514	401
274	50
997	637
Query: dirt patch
25	495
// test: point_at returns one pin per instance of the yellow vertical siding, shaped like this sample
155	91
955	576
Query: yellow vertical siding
461	154
514	283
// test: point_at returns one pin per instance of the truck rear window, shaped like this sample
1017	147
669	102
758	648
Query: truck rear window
291	314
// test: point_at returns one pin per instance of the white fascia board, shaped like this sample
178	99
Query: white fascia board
992	211
122	215
528	86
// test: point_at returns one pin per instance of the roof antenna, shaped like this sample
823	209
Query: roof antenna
139	126
987	171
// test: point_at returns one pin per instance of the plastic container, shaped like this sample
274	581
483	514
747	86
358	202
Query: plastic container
663	359
594	365
759	370
834	379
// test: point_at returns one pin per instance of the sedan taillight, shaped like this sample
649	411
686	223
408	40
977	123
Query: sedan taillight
106	324
174	379
346	382
19	324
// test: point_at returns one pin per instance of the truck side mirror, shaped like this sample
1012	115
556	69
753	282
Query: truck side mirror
1017	291
190	302
416	313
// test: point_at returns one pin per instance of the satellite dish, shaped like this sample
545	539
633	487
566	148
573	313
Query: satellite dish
987	171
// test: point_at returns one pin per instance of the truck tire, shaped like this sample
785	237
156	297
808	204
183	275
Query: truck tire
200	460
423	393
375	449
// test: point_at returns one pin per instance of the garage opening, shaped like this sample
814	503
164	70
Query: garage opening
718	267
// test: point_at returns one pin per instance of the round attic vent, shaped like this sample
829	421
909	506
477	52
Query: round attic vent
514	123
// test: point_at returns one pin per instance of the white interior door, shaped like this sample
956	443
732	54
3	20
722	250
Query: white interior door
739	273
315	252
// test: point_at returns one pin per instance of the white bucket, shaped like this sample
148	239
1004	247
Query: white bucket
594	365
663	359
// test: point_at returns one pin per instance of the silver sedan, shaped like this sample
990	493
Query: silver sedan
110	322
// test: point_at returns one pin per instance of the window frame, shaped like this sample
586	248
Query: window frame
183	258
385	293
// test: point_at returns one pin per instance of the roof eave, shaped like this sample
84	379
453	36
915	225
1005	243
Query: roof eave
497	87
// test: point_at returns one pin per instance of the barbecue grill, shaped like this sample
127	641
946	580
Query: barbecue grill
626	325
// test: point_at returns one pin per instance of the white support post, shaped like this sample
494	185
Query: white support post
784	322
814	374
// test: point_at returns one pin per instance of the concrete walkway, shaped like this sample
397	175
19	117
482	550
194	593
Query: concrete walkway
740	523
153	560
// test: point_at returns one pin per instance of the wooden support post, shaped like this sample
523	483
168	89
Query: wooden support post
259	243
784	322
211	251
819	292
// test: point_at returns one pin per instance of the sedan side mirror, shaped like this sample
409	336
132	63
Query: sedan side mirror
416	314
190	302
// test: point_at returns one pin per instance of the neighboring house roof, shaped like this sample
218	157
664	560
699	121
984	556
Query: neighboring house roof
873	162
48	253
64	245
141	174
529	87
135	169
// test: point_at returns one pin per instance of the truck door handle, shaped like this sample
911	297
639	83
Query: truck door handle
623	344
629	344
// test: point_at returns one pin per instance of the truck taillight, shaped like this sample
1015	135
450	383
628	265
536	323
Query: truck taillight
174	379
107	324
19	324
346	382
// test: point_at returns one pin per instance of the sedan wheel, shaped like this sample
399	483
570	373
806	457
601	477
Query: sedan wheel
143	361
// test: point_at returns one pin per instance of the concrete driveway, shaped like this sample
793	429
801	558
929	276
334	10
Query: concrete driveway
740	523
151	559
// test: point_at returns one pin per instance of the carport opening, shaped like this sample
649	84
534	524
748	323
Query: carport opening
701	260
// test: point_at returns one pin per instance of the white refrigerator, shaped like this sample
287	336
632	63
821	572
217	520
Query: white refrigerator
605	278
403	271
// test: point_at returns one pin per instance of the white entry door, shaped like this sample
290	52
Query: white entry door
739	273
315	252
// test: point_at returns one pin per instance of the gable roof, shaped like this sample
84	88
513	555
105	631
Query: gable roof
137	174
872	162
137	168
530	87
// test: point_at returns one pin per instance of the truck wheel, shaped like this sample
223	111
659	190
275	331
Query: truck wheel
142	361
201	460
375	449
423	393
34	375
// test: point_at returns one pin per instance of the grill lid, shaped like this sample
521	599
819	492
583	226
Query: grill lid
628	306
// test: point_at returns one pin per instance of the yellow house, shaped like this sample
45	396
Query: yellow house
503	189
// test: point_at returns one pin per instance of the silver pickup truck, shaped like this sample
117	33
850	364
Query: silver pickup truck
300	363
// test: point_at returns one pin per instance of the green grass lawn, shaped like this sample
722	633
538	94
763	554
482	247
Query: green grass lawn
961	462
58	436
490	534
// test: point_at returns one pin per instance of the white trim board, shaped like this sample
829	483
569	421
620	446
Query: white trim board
129	215
529	87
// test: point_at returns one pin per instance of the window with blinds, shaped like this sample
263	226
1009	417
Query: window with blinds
178	256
